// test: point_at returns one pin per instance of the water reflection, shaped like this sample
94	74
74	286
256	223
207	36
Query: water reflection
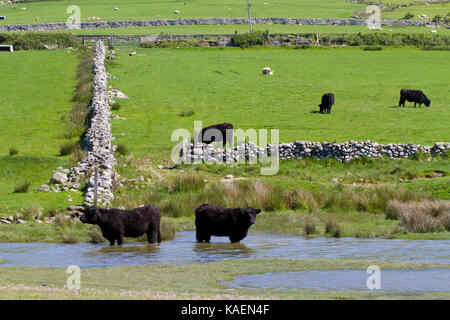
220	251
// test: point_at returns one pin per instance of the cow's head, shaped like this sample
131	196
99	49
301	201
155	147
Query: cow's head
90	215
427	102
249	215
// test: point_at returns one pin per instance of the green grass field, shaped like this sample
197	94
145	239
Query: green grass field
226	85
55	11
431	10
36	93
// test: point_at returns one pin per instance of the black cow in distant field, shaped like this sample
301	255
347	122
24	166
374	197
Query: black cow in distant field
216	133
116	224
223	222
327	103
415	96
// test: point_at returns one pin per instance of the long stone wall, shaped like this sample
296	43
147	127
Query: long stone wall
205	21
98	137
343	152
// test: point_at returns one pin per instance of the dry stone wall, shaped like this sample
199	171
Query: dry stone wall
96	144
98	137
343	152
206	21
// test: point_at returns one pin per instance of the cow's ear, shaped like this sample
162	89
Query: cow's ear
258	211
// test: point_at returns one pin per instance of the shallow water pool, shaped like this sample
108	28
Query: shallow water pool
185	250
402	281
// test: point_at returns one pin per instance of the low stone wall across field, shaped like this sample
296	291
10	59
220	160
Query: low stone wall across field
342	152
97	141
206	21
96	144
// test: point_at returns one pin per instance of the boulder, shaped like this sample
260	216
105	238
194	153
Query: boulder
44	188
59	178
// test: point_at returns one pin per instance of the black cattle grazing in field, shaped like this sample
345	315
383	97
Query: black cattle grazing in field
116	224
415	96
223	222
216	133
327	103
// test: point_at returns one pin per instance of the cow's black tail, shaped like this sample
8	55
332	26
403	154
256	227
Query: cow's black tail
159	234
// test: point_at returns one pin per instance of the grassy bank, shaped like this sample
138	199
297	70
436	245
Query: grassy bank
197	281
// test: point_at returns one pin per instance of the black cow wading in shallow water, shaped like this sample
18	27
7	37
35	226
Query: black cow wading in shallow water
116	224
327	103
416	96
223	222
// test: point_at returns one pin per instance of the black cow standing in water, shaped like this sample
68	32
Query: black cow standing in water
223	222
116	224
416	96
327	103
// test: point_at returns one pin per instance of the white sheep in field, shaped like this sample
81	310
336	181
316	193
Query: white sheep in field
267	71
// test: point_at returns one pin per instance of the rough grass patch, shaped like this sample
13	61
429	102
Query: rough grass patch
22	187
167	229
122	149
95	235
67	148
31	212
309	227
69	237
116	106
186	113
332	228
13	151
420	216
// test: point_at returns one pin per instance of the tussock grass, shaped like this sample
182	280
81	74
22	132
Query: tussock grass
82	96
421	216
122	149
332	228
62	221
67	148
309	227
167	229
22	188
69	237
116	106
180	194
76	156
31	212
95	235
13	151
